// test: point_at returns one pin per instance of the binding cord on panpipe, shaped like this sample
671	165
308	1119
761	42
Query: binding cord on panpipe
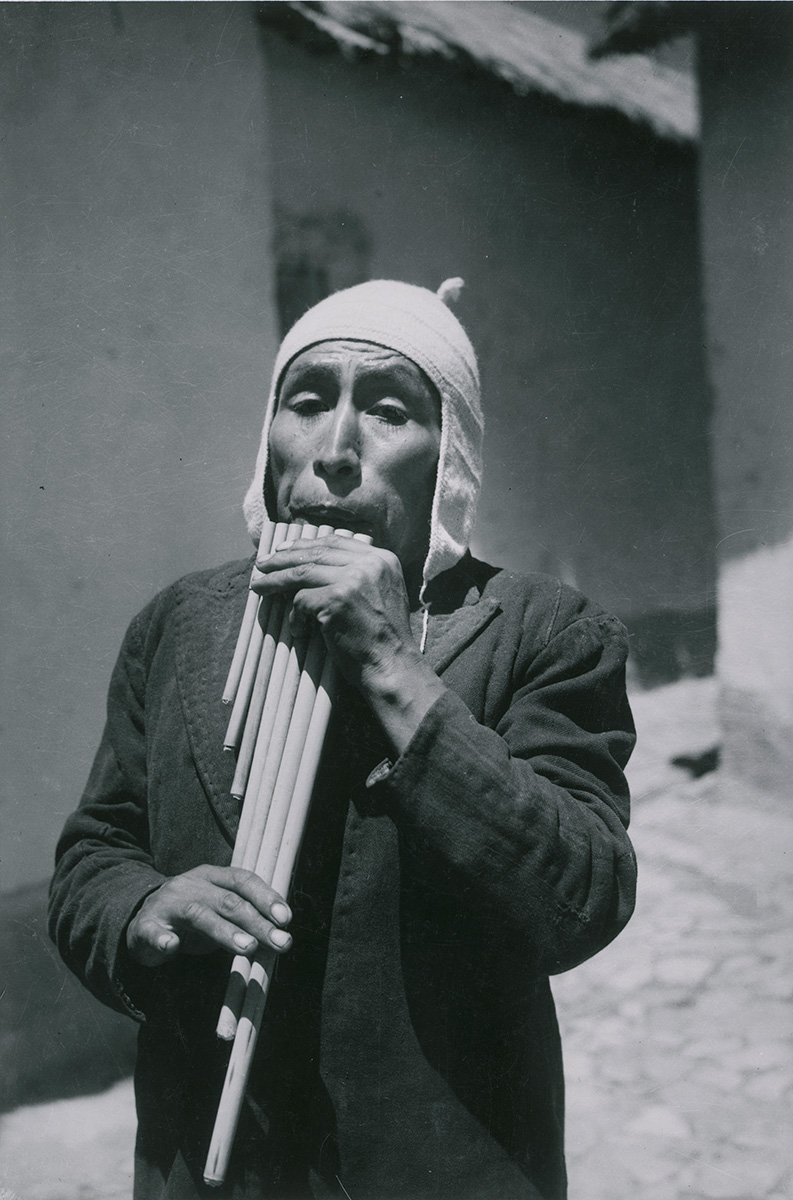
281	693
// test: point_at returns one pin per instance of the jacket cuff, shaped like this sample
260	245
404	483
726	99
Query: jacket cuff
445	726
133	984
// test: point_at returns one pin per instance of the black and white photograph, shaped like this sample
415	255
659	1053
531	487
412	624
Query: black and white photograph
397	600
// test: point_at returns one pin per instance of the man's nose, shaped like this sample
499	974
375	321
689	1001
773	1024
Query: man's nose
338	453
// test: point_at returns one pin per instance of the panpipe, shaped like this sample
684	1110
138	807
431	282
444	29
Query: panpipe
281	692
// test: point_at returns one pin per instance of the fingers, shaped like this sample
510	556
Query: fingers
225	921
290	576
207	909
297	560
252	888
328	563
353	591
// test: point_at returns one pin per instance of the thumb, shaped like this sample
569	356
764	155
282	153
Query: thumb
150	942
299	623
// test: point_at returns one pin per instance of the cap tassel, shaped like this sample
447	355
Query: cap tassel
450	289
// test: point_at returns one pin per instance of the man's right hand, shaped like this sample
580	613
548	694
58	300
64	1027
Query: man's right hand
206	909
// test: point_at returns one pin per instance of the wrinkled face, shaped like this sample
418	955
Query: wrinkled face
354	443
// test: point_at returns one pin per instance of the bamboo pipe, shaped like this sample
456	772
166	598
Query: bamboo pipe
291	798
252	607
261	684
270	618
262	969
274	733
293	728
239	709
277	810
290	760
273	725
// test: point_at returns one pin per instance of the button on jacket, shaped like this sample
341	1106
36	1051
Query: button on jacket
410	1047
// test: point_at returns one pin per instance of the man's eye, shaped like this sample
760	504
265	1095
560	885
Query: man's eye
391	413
306	404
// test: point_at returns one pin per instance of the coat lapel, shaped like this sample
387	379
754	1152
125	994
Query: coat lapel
208	623
458	611
450	633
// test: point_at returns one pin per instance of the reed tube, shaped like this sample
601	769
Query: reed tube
267	684
290	731
271	732
273	727
248	621
262	968
242	697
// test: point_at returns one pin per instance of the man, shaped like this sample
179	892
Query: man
468	831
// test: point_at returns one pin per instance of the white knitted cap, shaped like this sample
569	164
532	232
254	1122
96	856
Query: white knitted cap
414	322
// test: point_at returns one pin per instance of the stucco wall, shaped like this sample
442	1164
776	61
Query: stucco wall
576	234
747	220
135	311
137	321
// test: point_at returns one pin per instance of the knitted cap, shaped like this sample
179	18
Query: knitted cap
414	322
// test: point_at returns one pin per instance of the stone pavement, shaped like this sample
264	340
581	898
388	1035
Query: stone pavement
678	1052
677	1037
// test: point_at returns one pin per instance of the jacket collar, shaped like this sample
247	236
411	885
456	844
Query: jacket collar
458	609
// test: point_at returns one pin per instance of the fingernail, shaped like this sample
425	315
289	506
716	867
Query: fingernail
280	938
280	913
244	941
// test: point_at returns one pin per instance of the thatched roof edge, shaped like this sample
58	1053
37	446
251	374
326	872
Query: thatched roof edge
529	52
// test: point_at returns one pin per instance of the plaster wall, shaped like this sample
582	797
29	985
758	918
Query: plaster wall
576	234
747	221
135	309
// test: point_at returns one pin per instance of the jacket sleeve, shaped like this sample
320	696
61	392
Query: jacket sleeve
104	867
530	817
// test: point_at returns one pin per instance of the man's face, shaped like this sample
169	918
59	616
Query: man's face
354	443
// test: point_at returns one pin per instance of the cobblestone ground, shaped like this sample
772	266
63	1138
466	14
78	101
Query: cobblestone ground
70	1149
677	1037
677	1041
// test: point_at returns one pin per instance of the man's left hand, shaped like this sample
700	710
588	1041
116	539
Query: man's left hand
356	594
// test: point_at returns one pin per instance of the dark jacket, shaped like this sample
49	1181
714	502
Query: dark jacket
410	1047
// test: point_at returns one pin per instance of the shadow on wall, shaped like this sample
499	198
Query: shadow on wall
55	1039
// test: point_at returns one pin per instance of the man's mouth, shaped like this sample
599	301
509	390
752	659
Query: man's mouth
338	516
